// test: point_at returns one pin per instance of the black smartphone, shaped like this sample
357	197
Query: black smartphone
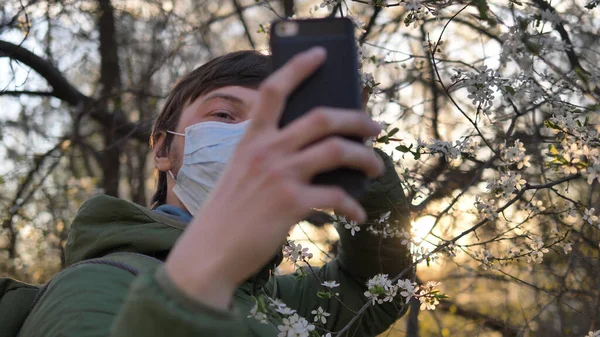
335	84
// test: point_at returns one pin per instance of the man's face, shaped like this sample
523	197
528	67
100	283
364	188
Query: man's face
231	104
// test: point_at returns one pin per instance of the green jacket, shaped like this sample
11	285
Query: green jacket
104	300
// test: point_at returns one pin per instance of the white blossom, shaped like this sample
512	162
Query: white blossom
593	172
551	43
485	208
258	315
537	250
513	46
320	315
486	257
427	296
357	22
407	289
445	148
295	326
330	284
339	221
295	252
469	145
368	81
380	289
480	85
353	227
589	216
406	237
507	184
428	303
561	243
512	252
550	16
449	249
411	5
281	307
330	4
514	154
567	247
384	217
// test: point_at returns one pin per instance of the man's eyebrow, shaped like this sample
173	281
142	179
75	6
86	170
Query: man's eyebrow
227	97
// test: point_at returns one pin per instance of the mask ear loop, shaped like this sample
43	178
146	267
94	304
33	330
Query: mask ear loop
177	134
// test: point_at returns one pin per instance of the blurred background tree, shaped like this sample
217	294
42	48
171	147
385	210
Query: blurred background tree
491	110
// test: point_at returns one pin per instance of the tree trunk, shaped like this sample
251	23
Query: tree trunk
111	85
412	329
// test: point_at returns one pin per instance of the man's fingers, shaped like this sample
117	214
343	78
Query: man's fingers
334	153
332	197
276	88
323	122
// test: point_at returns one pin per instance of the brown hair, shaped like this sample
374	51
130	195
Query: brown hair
246	68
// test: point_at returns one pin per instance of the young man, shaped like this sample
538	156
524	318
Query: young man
218	133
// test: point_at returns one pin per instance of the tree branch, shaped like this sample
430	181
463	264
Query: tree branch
21	198
27	92
288	8
573	59
64	91
370	25
486	321
240	14
62	88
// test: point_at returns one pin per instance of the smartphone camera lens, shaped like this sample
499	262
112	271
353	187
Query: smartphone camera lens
286	28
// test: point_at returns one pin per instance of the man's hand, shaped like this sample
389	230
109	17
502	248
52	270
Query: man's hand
266	188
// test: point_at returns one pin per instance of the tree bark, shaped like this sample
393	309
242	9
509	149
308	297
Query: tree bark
111	84
412	328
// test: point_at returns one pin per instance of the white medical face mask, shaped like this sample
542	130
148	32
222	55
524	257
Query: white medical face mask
208	148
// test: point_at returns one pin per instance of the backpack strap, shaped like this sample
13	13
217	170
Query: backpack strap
15	300
134	263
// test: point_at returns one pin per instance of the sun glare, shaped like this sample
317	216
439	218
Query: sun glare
420	228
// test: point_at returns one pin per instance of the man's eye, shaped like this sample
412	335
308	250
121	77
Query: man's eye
223	115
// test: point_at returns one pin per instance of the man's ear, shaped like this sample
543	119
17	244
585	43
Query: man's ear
162	162
365	97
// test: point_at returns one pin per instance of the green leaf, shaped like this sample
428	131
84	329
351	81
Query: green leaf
383	139
261	302
483	8
300	275
533	48
1	180
324	294
393	132
581	75
402	148
550	124
509	89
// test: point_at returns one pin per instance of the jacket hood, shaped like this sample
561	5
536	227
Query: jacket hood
105	224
